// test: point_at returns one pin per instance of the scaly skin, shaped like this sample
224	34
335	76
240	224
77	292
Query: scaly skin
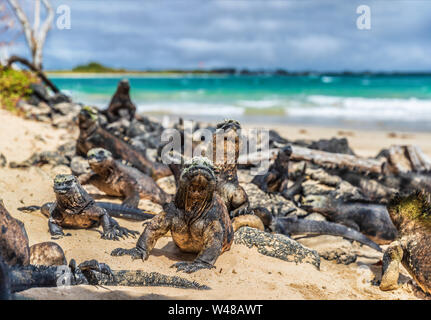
120	101
89	272
370	219
91	135
116	179
233	195
197	219
277	177
74	208
294	225
114	210
46	266
372	189
412	217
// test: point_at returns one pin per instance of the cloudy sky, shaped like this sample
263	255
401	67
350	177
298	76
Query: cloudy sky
291	34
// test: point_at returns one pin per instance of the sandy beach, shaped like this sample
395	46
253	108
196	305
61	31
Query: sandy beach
240	273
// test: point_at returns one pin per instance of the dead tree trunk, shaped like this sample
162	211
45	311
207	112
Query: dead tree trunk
337	160
320	158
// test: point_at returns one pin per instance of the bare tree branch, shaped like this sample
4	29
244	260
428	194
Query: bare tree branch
36	23
24	22
35	69
41	37
35	37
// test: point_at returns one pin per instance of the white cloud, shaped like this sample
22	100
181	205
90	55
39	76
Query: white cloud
291	34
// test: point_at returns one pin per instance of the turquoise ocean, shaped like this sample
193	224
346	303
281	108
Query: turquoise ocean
389	102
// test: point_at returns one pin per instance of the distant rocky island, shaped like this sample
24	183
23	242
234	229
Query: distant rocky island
96	67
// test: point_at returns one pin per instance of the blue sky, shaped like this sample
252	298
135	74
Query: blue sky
294	35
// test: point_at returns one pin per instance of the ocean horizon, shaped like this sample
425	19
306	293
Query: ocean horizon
386	102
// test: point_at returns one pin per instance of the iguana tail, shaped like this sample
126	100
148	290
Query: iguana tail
26	277
44	209
4	281
139	278
114	210
120	211
298	226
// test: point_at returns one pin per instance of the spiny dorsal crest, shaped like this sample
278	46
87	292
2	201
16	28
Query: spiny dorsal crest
229	123
91	111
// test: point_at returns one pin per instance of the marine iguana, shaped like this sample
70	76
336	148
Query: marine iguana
44	265
197	219
114	210
294	225
121	101
74	208
277	178
92	135
370	219
228	187
225	167
90	272
117	179
411	215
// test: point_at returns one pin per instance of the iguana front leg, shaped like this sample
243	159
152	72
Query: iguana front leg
213	246
132	197
154	229
111	228
55	229
54	221
391	266
239	201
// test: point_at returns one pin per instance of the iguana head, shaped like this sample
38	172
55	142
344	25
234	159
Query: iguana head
99	157
229	124
65	183
88	116
123	86
411	210
317	203
69	193
226	145
283	157
197	185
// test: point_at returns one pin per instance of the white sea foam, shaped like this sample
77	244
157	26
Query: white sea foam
313	106
365	108
192	108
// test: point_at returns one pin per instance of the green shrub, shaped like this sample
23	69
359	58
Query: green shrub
95	67
14	85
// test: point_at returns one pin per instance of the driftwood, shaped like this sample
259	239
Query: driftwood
33	68
336	160
404	159
321	158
